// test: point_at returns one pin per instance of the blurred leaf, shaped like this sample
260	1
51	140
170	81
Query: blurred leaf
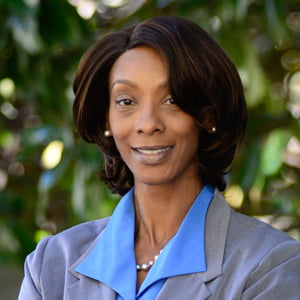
272	152
25	33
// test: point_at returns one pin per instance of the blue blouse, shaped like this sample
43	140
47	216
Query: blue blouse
112	260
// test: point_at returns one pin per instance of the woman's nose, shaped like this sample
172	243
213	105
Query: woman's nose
149	121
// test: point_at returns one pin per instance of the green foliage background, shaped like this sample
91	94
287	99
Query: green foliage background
41	43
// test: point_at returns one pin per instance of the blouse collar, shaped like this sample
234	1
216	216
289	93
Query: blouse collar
112	259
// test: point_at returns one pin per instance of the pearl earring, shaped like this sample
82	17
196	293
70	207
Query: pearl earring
107	133
212	130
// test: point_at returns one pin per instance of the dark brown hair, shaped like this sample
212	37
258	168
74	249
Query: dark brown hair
202	81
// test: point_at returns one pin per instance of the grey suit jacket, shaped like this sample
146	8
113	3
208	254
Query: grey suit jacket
246	259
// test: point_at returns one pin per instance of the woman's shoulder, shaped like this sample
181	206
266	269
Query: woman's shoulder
255	240
70	243
245	227
84	231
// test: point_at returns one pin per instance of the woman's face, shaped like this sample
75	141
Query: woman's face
156	139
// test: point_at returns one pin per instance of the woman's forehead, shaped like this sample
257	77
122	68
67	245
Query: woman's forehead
138	65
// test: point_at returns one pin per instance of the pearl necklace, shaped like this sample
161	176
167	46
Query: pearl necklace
146	267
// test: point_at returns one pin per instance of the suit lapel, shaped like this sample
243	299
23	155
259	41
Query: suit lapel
194	286
87	288
184	287
83	287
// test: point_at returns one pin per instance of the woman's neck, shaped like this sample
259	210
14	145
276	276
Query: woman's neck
160	210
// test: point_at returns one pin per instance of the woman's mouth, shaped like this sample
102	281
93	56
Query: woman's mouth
152	151
152	155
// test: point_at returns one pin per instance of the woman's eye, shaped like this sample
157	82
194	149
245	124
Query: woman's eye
170	101
124	102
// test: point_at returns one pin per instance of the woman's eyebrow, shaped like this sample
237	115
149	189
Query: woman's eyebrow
162	85
124	81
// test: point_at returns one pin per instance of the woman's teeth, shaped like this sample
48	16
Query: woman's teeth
152	152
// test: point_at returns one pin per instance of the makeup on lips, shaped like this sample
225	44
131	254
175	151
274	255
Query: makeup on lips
153	154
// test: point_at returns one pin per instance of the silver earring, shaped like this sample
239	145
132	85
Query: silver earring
107	133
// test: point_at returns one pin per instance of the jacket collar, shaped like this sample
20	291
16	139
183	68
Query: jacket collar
217	222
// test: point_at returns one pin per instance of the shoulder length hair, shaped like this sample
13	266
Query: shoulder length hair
202	80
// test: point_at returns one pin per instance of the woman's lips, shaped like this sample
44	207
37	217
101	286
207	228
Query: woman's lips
152	155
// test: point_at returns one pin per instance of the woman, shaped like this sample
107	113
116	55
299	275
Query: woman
166	107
